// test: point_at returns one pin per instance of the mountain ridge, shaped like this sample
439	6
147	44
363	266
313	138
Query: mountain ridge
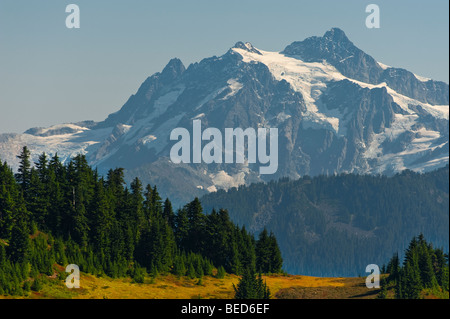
337	225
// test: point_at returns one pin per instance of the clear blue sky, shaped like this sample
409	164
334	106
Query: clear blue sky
50	74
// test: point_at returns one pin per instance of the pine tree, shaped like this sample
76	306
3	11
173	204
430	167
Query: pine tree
156	202
263	252
148	202
102	220
412	285
262	291
24	171
195	240
383	292
439	265
115	185
57	202
236	264
138	274
246	248
276	259
427	274
399	286
168	213
251	287
179	269
445	279
38	201
137	216
57	168
220	272
20	246
393	268
191	271
182	229
6	212
42	167
80	225
144	248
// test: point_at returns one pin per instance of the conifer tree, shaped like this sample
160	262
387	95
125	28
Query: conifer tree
57	204
263	252
220	272
115	184
6	212
168	213
182	229
251	287
57	168
427	274
38	201
195	240
137	217
236	264
383	292
246	247
24	171
412	285
148	202
179	269
102	220
393	268
20	246
445	279
276	259
191	271
156	201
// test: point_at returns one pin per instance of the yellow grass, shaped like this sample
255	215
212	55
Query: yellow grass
171	287
277	282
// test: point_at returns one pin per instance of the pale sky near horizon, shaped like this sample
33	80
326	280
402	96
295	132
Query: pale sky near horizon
50	74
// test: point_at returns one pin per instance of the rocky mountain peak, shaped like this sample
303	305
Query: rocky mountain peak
336	34
173	69
247	46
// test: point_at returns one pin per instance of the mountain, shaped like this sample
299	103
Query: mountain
337	225
336	108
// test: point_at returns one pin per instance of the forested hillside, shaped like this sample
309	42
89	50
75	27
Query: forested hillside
337	225
52	213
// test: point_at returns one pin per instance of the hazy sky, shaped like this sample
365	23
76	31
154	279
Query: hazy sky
50	74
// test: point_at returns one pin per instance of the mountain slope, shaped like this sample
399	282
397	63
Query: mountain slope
336	109
337	225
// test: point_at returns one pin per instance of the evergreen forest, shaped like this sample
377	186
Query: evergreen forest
59	214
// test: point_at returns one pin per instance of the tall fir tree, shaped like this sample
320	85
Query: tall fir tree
251	287
263	252
24	171
20	245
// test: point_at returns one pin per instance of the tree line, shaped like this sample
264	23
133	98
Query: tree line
424	270
54	213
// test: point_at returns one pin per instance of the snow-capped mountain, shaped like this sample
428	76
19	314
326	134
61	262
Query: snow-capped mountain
336	109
